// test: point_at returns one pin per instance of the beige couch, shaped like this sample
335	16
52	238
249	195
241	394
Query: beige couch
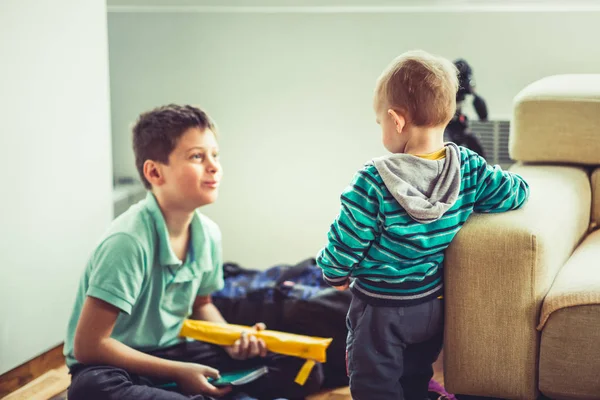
523	288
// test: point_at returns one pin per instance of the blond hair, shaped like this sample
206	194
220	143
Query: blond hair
421	86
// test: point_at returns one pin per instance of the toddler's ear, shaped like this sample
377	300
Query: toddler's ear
398	119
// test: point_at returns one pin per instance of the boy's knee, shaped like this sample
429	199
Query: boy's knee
98	383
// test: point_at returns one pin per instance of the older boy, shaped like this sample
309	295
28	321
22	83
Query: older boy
158	264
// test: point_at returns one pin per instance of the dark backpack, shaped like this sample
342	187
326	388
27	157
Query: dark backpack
289	298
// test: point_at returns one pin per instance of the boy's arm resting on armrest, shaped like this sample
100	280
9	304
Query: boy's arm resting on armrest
352	233
93	345
499	190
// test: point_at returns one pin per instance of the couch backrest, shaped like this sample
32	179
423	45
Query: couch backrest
557	119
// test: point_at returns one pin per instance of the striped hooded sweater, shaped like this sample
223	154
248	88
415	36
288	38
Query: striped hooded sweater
400	213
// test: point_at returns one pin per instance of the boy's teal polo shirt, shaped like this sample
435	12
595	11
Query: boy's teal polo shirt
134	269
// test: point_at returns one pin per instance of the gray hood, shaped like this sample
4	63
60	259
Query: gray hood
426	189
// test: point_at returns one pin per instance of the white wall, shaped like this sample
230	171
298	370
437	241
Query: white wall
55	198
291	93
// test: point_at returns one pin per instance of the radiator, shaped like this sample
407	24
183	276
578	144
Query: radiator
493	136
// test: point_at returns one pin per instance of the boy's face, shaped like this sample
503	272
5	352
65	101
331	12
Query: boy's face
193	175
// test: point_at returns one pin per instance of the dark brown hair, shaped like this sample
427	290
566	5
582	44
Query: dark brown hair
156	132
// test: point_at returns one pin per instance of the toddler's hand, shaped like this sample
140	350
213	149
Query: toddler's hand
344	286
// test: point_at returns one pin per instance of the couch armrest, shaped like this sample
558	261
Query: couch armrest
497	271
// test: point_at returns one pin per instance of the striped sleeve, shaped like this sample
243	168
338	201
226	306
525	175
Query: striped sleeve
498	190
353	231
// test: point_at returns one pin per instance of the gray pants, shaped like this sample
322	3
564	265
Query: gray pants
390	350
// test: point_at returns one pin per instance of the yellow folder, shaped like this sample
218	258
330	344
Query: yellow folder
309	347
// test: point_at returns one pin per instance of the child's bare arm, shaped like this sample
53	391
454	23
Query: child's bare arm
93	345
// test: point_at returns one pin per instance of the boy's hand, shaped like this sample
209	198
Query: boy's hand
191	378
248	346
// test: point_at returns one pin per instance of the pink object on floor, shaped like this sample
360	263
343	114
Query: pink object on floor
435	387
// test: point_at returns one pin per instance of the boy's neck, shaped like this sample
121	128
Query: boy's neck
178	223
424	140
177	220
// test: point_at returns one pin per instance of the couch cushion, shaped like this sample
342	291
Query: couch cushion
570	354
570	349
557	119
596	199
578	282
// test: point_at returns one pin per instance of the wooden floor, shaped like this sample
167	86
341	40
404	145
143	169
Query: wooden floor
50	385
32	369
53	384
